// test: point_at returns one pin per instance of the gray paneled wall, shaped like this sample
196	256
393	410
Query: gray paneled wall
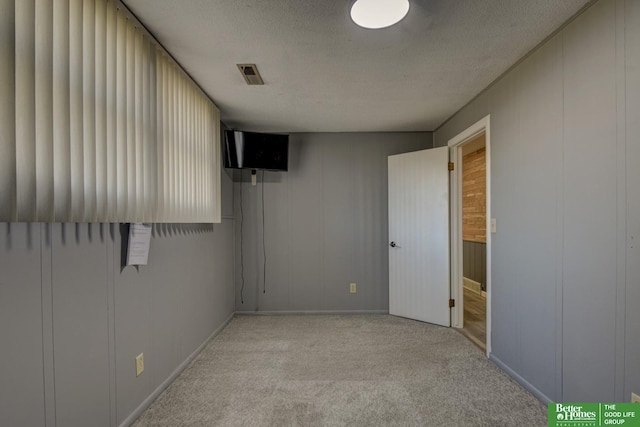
325	225
80	318
72	320
22	384
564	190
589	179
182	298
631	292
474	262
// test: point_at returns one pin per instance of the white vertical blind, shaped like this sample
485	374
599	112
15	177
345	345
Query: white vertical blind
97	122
130	118
61	113
76	115
89	108
111	89
100	155
25	56
121	112
44	108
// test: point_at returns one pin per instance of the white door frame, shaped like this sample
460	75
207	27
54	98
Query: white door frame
455	155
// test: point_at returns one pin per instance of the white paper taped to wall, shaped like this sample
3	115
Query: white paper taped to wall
139	240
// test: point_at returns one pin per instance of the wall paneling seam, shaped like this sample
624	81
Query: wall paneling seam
621	230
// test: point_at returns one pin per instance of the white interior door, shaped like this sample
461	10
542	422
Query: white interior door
419	236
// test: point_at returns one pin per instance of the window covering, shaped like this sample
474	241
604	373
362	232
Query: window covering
97	122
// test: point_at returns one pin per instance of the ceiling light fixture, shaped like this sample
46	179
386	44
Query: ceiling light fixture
376	14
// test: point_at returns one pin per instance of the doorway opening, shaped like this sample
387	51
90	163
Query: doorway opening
470	234
474	240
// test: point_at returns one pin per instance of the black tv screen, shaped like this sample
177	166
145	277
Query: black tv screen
253	150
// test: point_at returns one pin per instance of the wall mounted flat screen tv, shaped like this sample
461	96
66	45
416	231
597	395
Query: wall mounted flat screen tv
253	150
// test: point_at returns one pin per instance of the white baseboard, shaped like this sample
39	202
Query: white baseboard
524	383
286	312
473	286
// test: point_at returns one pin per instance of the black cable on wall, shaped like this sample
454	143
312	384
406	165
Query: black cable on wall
264	248
241	246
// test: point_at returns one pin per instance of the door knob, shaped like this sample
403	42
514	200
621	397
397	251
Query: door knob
393	245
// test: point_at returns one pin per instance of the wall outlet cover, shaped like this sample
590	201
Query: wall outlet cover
139	364
635	398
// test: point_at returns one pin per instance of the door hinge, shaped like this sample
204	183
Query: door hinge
452	303
451	166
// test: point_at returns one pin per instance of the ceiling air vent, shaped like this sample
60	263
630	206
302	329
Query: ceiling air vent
250	74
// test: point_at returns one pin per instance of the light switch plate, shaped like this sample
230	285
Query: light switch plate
493	225
353	288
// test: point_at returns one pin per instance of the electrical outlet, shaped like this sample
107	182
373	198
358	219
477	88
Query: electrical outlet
635	398
139	364
353	288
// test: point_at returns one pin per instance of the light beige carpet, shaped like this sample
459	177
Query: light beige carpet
342	370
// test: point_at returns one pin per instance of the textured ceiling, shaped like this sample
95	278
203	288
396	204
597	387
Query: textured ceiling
323	73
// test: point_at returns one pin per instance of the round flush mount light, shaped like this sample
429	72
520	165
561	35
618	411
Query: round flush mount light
376	14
